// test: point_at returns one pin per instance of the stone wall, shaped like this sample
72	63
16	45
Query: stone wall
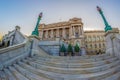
51	47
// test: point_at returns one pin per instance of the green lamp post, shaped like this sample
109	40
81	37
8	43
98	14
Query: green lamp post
107	26
36	32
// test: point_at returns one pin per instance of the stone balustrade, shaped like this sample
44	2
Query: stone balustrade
14	53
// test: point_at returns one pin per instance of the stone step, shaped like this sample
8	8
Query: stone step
18	75
73	65
35	58
115	76
9	74
94	76
68	70
58	76
33	70
3	76
28	74
71	59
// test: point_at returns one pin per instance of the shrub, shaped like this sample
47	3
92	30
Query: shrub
70	48
76	48
62	48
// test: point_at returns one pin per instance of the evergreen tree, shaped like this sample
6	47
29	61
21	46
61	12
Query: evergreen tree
62	48
76	48
70	48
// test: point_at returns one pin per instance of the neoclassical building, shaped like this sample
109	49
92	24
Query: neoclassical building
72	31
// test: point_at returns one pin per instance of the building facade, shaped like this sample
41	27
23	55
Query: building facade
72	32
95	42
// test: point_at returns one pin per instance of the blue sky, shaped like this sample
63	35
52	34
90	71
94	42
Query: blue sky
25	12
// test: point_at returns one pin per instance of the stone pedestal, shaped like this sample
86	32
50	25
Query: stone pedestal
35	47
112	39
83	51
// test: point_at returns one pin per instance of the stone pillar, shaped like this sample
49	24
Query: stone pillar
46	33
51	33
80	30
41	34
57	32
71	31
63	32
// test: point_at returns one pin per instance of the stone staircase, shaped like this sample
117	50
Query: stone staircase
97	67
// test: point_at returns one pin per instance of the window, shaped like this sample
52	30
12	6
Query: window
97	38
76	35
99	45
90	45
95	46
67	35
103	45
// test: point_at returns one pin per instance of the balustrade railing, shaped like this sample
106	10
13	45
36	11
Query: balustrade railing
12	54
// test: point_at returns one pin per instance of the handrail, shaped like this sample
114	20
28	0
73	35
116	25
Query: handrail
14	46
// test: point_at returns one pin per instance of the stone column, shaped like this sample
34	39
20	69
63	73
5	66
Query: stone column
57	32
46	33
81	30
73	31
51	33
41	34
63	32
